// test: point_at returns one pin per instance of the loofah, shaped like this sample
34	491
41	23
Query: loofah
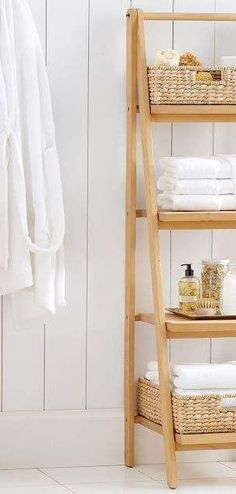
189	58
204	76
168	58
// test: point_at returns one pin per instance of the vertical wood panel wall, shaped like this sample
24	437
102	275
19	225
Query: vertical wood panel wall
76	363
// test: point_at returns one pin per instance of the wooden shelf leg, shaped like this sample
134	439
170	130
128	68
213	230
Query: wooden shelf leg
154	248
130	237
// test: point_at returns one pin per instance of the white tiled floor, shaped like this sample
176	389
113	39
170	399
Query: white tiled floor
195	478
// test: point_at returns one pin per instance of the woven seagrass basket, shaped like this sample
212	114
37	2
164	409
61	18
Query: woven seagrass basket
179	86
192	414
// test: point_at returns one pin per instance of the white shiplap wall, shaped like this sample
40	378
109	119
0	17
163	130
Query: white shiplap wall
65	382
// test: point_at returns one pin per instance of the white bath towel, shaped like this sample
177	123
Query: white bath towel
205	167
152	376
204	376
34	221
196	186
152	365
176	202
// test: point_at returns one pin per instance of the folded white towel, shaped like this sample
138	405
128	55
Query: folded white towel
152	376
204	376
152	365
175	202
196	186
205	167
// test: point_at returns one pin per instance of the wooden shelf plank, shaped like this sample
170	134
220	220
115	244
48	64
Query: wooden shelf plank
215	440
193	220
187	442
148	424
193	113
180	328
186	16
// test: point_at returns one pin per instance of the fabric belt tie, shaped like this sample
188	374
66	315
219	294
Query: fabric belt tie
11	156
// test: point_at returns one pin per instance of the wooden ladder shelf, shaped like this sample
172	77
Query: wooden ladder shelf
166	325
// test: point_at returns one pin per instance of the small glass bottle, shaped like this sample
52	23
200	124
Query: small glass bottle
229	290
189	290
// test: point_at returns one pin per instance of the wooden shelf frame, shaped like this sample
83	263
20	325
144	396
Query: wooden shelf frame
202	220
167	326
181	328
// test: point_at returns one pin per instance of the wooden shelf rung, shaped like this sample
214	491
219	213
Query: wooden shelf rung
148	424
187	442
193	220
212	441
178	327
186	16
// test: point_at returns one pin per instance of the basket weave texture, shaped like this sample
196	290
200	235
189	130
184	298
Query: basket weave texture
178	86
192	414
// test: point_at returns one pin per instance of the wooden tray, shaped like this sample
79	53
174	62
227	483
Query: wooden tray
196	317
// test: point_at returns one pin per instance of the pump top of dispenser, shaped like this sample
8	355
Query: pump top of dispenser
189	272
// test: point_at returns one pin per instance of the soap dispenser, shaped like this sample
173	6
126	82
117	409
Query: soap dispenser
189	290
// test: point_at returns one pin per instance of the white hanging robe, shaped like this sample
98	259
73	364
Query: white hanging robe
31	200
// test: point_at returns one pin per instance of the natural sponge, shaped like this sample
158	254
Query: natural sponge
168	58
189	58
204	76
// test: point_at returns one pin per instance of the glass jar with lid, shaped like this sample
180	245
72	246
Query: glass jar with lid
229	290
212	275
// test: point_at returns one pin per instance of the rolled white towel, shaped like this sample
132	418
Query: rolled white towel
204	376
169	58
223	166
196	186
176	202
152	365
152	376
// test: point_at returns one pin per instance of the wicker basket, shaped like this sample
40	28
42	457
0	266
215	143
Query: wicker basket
178	86
192	414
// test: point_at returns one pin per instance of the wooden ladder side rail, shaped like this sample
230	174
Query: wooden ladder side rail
153	233
130	236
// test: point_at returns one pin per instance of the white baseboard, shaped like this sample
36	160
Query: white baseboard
64	438
79	438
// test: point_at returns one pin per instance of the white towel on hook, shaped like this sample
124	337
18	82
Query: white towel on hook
35	219
196	186
199	167
176	202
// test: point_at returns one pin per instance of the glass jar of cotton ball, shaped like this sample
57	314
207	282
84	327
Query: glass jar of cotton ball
229	290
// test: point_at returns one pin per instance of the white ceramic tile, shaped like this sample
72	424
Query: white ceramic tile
26	477
205	486
39	489
86	475
191	471
119	488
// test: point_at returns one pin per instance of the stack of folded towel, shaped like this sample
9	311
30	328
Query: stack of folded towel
198	184
200	379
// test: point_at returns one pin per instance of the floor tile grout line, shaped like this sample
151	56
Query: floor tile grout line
227	466
54	480
148	476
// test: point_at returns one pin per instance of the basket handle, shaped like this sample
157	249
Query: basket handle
222	80
228	402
